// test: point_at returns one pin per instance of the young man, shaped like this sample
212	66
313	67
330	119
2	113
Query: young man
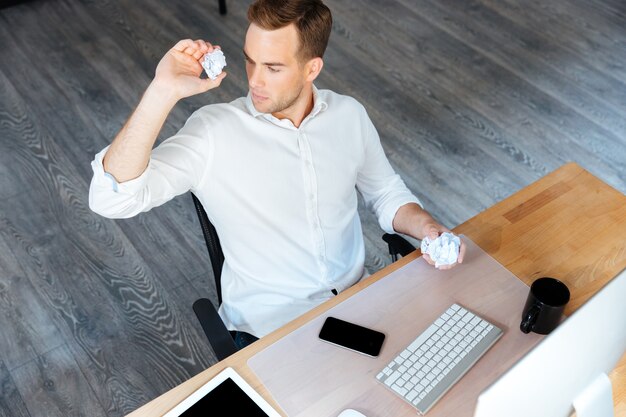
277	171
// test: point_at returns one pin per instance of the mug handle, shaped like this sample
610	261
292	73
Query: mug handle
528	321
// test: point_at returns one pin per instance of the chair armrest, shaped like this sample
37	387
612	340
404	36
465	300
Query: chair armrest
398	245
219	337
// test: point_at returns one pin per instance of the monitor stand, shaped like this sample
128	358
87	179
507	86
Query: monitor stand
596	400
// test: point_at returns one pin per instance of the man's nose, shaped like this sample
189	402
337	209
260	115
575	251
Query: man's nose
255	78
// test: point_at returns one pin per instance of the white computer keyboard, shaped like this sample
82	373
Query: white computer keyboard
437	358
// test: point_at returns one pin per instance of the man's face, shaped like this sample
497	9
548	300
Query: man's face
275	76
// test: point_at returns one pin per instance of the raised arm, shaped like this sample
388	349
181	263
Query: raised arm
177	76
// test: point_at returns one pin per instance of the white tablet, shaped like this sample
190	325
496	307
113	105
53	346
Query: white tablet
225	391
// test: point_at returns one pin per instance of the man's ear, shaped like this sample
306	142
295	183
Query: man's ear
314	67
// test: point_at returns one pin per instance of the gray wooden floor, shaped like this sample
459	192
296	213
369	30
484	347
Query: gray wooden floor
474	99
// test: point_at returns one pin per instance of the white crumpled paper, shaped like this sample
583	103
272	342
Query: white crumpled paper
444	250
213	63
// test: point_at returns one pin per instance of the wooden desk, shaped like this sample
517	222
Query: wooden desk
568	224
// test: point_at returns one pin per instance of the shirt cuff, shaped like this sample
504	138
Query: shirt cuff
105	180
385	220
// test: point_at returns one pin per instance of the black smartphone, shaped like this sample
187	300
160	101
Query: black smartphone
352	336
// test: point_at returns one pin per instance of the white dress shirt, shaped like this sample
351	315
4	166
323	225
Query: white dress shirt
282	199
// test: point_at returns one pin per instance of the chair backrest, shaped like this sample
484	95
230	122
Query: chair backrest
219	337
213	245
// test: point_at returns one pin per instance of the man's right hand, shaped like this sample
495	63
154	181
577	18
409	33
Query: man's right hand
177	76
178	72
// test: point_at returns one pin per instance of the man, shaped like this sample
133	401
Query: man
276	171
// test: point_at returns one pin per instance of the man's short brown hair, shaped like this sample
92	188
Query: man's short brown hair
312	19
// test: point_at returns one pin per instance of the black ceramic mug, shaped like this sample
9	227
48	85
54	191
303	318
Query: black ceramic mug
544	306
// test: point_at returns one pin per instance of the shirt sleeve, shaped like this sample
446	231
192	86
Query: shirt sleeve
383	190
176	166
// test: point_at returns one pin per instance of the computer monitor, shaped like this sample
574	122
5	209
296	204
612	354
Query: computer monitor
567	371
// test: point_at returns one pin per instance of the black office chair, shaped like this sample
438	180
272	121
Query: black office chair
222	6
220	338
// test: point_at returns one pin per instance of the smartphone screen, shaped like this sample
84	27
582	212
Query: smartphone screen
352	336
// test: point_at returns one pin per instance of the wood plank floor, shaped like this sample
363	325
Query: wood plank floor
473	99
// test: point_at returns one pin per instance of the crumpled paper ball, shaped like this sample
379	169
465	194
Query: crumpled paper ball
213	63
444	250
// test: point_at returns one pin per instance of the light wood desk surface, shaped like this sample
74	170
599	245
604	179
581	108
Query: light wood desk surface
569	225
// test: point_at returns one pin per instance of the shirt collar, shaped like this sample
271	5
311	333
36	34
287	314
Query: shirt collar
319	105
